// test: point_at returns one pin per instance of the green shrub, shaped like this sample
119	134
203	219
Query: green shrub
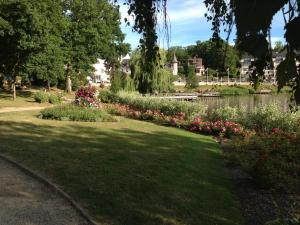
41	97
234	91
76	113
227	113
263	118
165	106
106	96
272	159
270	116
55	98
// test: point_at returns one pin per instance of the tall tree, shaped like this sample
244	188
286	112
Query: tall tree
46	63
214	57
19	24
94	32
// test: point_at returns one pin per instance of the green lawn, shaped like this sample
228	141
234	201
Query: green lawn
127	173
24	99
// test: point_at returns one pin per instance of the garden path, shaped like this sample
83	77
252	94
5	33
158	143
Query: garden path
20	109
25	201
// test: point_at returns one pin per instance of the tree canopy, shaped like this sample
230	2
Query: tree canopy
41	39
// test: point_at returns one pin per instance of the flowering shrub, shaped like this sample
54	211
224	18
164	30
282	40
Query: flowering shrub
220	128
262	119
87	97
272	158
223	128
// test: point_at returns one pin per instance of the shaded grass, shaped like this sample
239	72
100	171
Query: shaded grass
127	173
24	99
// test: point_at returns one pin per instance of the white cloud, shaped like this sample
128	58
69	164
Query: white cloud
186	10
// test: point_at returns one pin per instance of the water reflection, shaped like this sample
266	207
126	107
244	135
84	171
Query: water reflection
248	101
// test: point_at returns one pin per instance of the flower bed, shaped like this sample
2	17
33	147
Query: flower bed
87	97
273	159
196	124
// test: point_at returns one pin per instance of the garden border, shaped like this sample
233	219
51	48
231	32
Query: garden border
54	188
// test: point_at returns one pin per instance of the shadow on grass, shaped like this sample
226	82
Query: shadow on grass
23	94
126	176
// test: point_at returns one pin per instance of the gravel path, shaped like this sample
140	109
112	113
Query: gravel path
24	201
19	109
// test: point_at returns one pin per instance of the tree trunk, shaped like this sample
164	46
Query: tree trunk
49	85
68	88
13	86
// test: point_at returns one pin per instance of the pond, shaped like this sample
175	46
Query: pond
248	101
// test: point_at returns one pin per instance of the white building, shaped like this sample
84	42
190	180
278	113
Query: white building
174	66
101	74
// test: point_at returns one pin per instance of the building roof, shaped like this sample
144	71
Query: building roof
174	59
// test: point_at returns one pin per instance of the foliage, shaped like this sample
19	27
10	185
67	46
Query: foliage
161	80
262	119
121	81
47	62
273	159
87	97
106	96
279	46
145	13
190	77
213	55
55	98
17	19
88	39
253	32
218	128
41	97
165	106
238	90
76	113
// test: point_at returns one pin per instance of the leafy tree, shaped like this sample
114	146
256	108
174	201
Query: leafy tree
17	21
46	63
181	53
191	78
163	76
94	32
145	23
253	34
213	53
279	46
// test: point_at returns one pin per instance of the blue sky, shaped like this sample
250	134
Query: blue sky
188	24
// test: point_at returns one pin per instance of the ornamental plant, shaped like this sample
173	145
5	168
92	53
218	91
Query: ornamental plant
87	97
273	159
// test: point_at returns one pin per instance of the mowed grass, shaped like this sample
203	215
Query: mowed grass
129	172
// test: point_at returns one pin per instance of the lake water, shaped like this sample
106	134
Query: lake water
248	101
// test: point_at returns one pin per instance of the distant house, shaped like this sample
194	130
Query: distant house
269	73
101	74
197	62
199	67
